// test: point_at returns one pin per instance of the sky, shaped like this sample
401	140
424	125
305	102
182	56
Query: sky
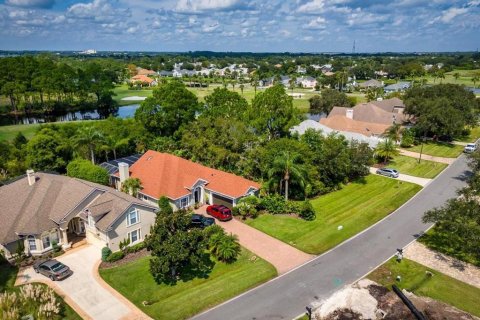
233	25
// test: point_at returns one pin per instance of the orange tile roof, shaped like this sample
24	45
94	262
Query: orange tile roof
142	78
163	174
342	123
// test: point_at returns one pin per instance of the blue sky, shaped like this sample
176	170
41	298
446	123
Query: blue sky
232	25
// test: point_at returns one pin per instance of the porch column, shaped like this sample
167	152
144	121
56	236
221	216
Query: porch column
64	238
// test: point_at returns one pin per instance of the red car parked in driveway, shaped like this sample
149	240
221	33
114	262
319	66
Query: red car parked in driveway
220	212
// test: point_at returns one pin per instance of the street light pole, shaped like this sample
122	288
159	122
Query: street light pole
421	148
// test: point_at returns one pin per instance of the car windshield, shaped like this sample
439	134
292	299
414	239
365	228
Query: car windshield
471	145
57	266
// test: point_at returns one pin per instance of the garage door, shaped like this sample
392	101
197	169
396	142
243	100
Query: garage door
217	199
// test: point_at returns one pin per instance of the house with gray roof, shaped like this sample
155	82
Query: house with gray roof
40	209
372	83
397	87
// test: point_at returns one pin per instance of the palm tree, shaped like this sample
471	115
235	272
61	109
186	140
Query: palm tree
386	150
456	75
291	82
132	186
227	248
255	84
475	79
88	136
286	164
242	86
394	132
112	143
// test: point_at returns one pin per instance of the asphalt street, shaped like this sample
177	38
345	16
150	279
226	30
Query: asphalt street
287	296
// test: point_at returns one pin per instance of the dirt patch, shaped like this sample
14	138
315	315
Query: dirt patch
128	258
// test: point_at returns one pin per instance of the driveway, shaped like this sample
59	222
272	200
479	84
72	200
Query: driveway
84	290
286	296
404	177
282	256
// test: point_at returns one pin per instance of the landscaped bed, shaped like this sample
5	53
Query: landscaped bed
355	207
410	166
438	149
414	278
183	300
472	137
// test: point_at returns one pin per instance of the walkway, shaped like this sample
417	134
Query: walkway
286	296
404	177
282	256
91	298
426	157
447	265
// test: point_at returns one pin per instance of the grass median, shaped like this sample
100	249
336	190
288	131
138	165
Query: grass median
410	166
438	286
438	149
186	299
356	207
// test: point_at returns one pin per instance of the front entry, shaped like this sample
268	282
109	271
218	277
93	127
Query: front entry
197	195
76	226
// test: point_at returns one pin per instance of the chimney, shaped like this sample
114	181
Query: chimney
123	171
31	177
349	114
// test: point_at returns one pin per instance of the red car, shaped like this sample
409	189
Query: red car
220	212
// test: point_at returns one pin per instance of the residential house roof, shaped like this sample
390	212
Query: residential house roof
343	123
34	209
145	72
390	105
369	112
142	78
399	86
164	174
372	83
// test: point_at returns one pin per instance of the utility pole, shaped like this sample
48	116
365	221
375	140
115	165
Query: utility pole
353	49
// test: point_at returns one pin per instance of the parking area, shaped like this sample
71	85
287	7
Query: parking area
84	290
282	256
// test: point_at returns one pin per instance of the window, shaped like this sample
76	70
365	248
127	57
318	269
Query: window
132	217
183	202
32	244
46	242
134	236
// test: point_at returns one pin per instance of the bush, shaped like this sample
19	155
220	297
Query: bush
247	207
123	245
115	256
306	211
56	247
84	169
408	138
137	247
106	252
274	204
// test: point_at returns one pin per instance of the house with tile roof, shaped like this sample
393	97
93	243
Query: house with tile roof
347	124
183	182
144	80
40	209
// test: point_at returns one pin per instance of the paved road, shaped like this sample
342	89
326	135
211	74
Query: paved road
286	297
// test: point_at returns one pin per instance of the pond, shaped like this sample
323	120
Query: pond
123	112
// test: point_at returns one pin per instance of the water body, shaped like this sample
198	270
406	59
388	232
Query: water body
123	112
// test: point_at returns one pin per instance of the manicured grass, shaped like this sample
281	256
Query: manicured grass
472	137
7	133
410	166
439	149
355	207
465	77
122	91
440	287
185	299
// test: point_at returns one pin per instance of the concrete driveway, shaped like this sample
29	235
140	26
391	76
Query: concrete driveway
283	257
404	177
89	295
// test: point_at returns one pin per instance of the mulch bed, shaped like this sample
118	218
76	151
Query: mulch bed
128	258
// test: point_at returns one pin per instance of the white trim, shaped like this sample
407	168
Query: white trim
187	204
139	236
193	185
137	218
221	194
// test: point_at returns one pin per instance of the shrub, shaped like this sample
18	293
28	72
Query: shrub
247	207
306	211
408	138
106	252
225	247
274	204
124	244
213	229
56	247
115	256
137	247
84	169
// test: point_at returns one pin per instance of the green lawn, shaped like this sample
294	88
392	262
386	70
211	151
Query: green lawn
122	91
472	137
355	207
186	299
465	77
410	166
439	286
7	133
439	149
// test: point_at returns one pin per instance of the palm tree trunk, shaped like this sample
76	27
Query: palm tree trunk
286	189
114	154
92	155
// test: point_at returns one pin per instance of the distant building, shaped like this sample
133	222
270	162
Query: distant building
307	82
372	83
397	87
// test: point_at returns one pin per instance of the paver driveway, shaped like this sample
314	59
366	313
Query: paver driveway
405	177
281	255
85	288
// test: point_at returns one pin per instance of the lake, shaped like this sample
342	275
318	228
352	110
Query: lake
123	112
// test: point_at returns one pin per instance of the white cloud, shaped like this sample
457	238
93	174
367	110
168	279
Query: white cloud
195	6
210	27
31	3
314	6
98	10
452	13
317	23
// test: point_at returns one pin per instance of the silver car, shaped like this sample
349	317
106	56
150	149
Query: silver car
53	269
392	173
470	147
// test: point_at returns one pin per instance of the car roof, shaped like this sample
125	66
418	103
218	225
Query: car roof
471	144
50	263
